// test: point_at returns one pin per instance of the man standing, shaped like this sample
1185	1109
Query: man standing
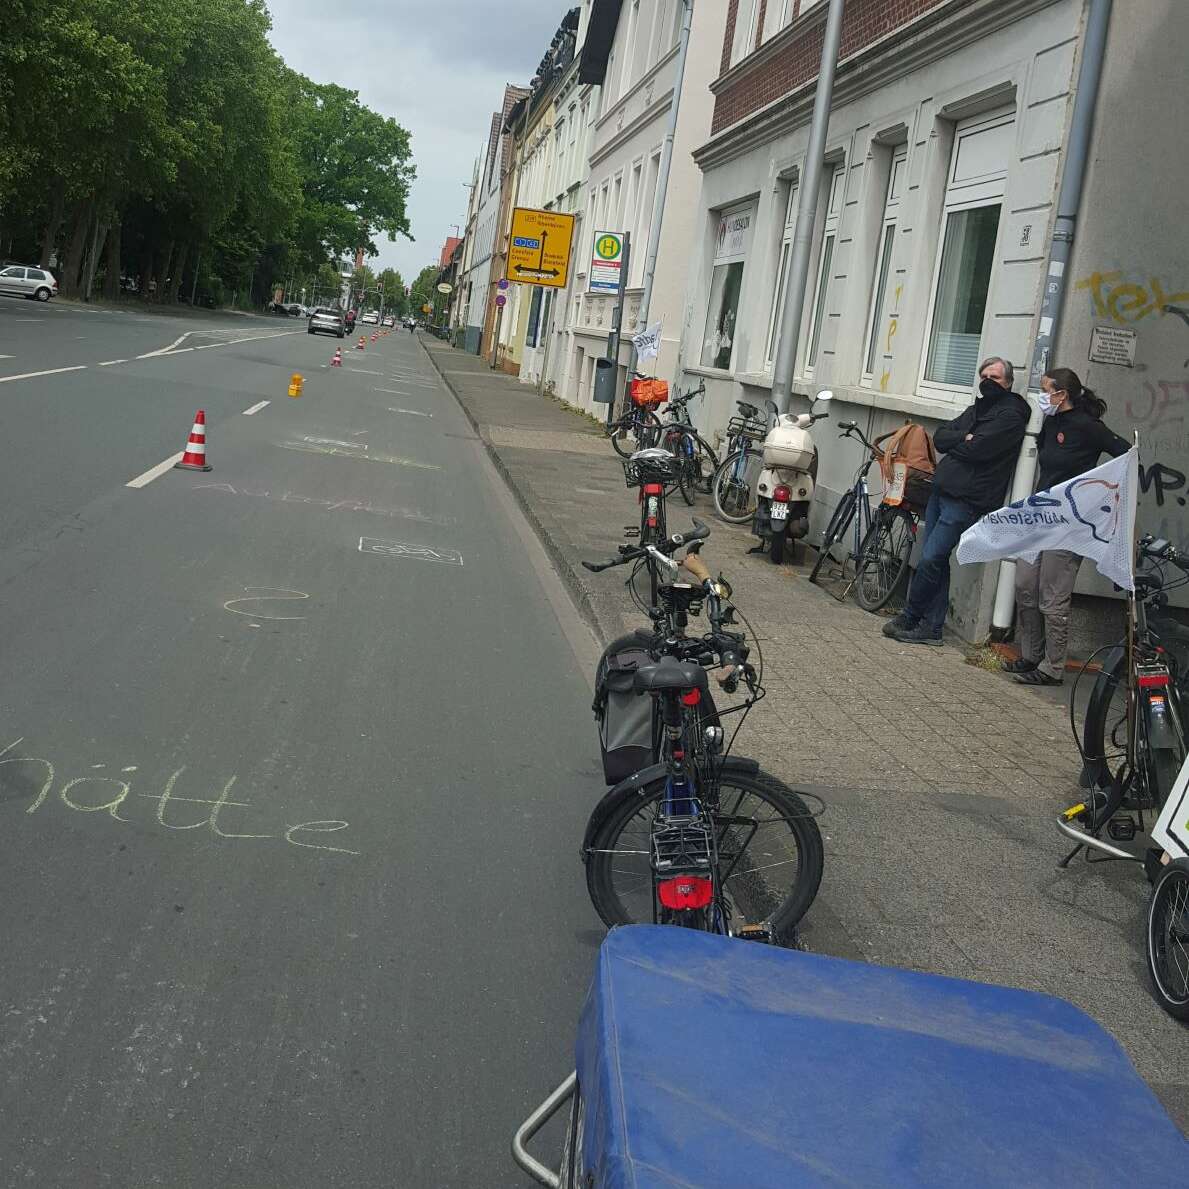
980	447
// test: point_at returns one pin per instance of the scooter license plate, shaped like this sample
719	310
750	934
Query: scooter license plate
780	511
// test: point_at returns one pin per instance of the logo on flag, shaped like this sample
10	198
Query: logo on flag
648	342
1092	515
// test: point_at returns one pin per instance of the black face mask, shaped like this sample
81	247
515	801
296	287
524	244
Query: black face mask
989	387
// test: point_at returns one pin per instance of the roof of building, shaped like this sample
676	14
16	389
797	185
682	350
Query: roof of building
448	249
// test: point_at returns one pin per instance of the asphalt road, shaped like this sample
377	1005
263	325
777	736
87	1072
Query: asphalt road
294	764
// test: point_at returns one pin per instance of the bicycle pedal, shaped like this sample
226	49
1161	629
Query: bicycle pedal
1121	829
759	933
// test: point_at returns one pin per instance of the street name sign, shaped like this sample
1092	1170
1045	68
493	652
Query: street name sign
539	247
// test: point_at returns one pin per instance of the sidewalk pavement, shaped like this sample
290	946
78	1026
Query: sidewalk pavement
942	780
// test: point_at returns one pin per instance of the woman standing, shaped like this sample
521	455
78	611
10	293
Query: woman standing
1072	439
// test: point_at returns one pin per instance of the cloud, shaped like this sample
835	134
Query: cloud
438	68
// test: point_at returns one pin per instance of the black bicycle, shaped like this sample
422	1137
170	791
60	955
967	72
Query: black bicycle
734	483
637	428
699	838
697	460
653	472
1133	745
881	539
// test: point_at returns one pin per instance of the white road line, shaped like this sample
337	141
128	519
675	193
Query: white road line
416	413
7	356
165	350
362	371
255	408
155	472
54	371
112	362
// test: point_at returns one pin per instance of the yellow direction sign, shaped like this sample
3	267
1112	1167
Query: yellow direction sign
539	249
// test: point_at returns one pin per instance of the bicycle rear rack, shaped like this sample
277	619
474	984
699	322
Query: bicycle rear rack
682	846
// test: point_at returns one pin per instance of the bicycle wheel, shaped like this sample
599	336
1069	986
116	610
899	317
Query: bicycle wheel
835	531
769	853
1168	939
734	486
881	573
1104	729
679	443
705	464
633	432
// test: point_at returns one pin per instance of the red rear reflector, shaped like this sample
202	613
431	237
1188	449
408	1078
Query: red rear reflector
653	489
685	891
781	494
692	698
1153	680
651	522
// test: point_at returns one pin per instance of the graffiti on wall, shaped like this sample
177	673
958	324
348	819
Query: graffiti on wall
893	322
1127	302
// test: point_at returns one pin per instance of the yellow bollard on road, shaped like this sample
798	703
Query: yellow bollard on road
295	384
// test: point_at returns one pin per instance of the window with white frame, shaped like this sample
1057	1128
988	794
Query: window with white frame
881	287
825	263
970	231
745	29
782	269
731	242
662	30
629	47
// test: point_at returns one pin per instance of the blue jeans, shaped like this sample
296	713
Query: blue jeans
946	519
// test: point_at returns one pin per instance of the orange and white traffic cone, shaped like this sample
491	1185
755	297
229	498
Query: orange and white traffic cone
374	337
194	459
362	344
337	359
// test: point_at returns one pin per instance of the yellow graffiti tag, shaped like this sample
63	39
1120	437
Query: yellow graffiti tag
1124	301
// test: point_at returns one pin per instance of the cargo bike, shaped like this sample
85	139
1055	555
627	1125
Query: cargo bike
709	1063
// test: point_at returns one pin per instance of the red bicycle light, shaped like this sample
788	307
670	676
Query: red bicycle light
692	698
685	891
653	489
1153	680
781	494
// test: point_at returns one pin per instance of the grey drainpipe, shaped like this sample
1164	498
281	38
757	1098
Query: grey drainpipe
1098	15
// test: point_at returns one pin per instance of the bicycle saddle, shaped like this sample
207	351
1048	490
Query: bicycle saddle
667	674
746	410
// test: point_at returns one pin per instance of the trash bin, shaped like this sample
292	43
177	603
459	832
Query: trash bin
604	382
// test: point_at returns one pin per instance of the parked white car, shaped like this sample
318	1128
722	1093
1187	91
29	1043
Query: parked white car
20	280
372	318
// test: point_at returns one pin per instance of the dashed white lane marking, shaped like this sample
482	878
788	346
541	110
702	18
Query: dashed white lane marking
111	362
362	371
255	408
155	472
414	413
7	356
54	371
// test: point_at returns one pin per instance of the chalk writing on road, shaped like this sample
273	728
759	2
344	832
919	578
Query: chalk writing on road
450	557
108	794
354	453
264	594
292	497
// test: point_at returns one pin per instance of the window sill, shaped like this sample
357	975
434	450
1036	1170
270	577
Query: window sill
711	373
921	404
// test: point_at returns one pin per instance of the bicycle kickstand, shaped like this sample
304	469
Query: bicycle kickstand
1069	858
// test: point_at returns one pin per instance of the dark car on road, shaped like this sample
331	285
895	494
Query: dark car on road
328	321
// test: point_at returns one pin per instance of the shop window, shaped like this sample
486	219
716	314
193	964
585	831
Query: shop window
732	240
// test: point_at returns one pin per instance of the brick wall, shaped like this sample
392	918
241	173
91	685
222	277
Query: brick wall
729	37
863	22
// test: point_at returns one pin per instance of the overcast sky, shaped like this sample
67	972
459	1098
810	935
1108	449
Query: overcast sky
436	66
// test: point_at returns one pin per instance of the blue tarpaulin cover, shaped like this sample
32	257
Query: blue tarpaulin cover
711	1063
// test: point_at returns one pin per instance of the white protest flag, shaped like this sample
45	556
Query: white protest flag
1092	514
648	342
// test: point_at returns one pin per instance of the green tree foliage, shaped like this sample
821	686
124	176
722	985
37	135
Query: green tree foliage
424	288
167	140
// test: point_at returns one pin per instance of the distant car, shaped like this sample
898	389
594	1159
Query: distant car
371	318
328	321
20	280
389	320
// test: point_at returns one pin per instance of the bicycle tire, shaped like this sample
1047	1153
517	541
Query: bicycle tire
835	530
1100	726
609	851
674	442
706	464
730	491
627	439
1167	948
881	572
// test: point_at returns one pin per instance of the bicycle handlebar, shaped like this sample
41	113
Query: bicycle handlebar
665	549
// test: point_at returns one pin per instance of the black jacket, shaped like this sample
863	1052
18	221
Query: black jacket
1070	444
979	471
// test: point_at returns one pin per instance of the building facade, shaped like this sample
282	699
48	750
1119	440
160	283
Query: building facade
943	159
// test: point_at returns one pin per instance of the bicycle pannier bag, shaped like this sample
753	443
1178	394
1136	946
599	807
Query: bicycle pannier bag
647	392
625	717
908	462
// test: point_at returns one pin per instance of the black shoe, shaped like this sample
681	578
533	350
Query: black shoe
1019	666
899	623
921	634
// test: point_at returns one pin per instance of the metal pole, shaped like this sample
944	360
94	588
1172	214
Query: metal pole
1077	152
798	273
617	318
662	175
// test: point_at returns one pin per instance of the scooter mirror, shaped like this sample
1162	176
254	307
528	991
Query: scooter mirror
825	395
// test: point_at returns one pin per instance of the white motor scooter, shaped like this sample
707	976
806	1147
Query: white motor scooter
785	486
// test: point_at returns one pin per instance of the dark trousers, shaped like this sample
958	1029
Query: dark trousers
946	519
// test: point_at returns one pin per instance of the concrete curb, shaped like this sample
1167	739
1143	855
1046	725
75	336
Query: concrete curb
573	581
